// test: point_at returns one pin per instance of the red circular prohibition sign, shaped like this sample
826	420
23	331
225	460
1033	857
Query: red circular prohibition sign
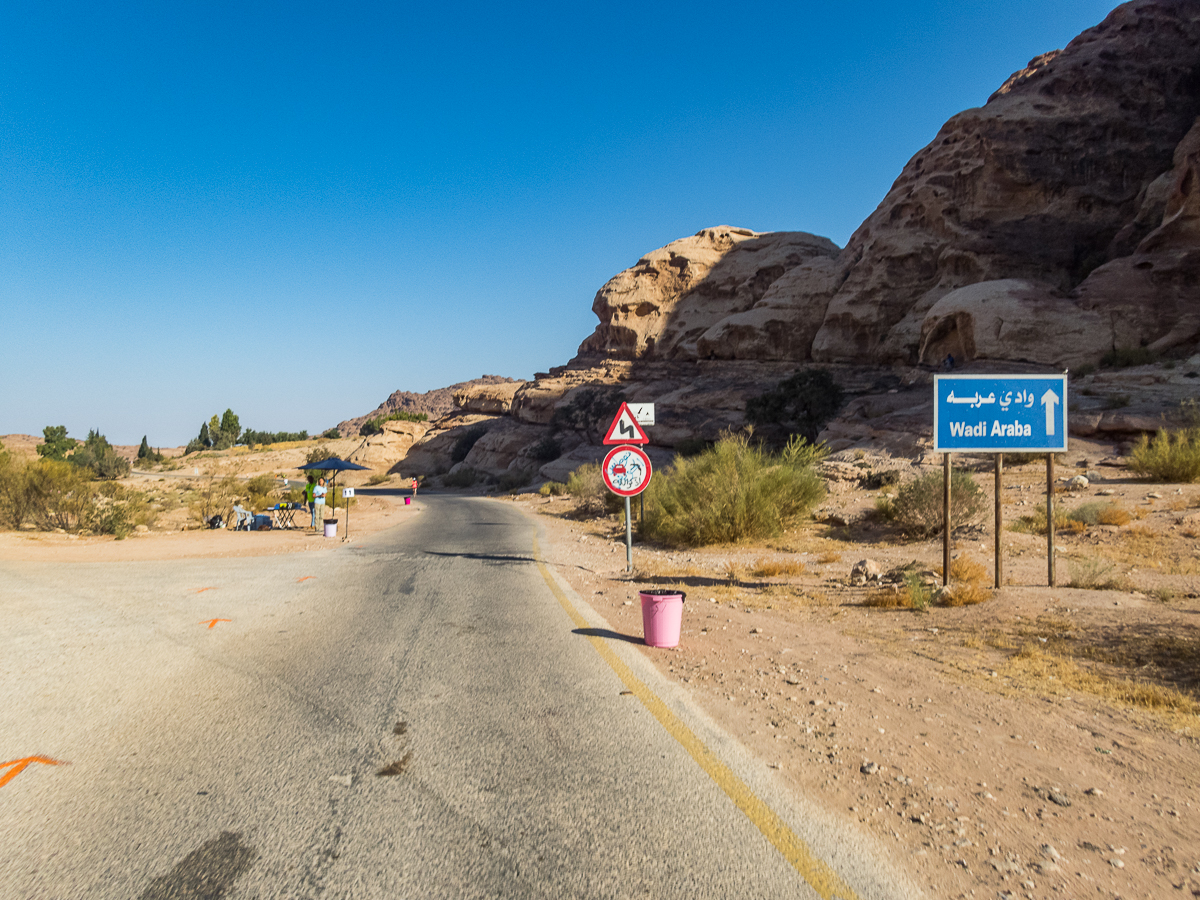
626	470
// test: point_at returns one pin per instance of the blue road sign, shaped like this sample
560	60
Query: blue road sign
999	413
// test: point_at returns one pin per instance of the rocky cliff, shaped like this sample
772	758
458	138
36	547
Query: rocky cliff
1057	221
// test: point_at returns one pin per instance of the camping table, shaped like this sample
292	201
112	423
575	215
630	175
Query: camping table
283	515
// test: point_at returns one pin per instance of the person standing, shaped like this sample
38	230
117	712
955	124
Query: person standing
414	488
319	502
308	499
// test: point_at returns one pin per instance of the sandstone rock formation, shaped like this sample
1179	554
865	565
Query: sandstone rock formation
435	403
382	451
1056	222
1078	178
667	302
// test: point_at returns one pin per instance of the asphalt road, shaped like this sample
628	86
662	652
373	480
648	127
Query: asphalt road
411	715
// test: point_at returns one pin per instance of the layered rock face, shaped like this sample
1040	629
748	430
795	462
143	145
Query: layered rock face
1053	223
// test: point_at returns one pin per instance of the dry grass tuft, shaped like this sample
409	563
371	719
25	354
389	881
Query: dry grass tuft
968	583
774	568
891	597
1095	575
829	556
1032	667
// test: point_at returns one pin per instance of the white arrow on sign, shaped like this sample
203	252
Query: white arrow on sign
1050	400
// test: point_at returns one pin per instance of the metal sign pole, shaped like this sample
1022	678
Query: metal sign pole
946	520
999	518
1050	517
628	538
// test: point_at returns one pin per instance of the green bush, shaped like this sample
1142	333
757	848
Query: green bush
514	479
460	478
259	491
98	455
552	489
735	491
1170	456
60	495
465	442
1126	357
547	449
918	507
586	486
378	478
55	443
802	403
692	446
215	497
318	454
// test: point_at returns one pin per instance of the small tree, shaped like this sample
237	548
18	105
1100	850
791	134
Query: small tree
231	428
55	442
99	456
802	403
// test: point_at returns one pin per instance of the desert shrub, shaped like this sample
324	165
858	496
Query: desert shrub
773	568
98	455
1035	522
1095	574
513	479
545	450
331	434
465	442
914	593
318	454
735	491
60	495
968	583
917	508
16	498
802	403
692	446
552	489
378	478
259	490
1171	456
460	478
586	486
1125	357
1099	512
215	497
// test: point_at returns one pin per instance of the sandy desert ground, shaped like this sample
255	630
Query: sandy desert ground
1040	743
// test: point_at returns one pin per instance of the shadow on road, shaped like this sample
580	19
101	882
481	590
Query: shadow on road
607	634
486	557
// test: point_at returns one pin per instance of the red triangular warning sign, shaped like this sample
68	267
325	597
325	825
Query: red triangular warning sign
625	429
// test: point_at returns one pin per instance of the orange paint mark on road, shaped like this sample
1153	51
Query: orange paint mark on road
201	590
17	766
305	578
212	623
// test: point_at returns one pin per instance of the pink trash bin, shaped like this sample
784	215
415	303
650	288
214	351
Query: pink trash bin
662	617
408	501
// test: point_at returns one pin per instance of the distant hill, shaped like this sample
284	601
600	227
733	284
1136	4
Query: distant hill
435	403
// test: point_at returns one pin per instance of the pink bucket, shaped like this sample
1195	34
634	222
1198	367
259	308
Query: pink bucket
662	617
408	501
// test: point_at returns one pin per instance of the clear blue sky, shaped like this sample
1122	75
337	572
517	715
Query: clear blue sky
295	209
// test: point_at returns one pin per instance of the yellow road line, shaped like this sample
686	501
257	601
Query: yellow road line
822	878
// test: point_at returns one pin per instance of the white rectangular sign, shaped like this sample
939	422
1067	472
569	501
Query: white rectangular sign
643	413
347	492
